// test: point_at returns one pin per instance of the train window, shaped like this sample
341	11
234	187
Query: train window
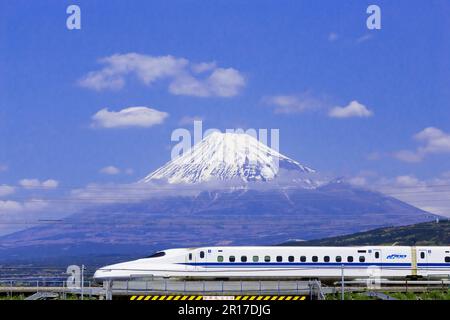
291	258
232	258
377	255
157	254
349	259
202	254
422	255
303	259
267	258
447	259
315	258
243	258
338	259
362	259
326	259
190	256
220	259
279	258
255	258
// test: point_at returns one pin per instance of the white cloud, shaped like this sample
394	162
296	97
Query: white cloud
203	66
353	109
408	156
30	205
128	117
113	170
30	183
407	181
358	181
432	140
180	73
9	206
333	36
110	170
221	83
225	82
432	195
6	190
50	184
148	69
288	104
36	183
189	86
300	103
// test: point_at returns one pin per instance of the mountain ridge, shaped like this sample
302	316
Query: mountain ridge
203	206
421	234
227	156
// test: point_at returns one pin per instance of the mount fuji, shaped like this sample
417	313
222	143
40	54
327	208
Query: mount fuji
228	156
198	204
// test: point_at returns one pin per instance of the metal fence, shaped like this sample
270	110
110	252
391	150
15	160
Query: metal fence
128	287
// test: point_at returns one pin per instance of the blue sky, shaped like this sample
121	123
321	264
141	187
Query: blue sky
287	64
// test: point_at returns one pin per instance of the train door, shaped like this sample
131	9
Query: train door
374	270
200	259
422	261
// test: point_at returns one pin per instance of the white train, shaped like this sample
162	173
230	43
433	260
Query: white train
387	262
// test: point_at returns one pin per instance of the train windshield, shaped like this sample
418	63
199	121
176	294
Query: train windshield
157	254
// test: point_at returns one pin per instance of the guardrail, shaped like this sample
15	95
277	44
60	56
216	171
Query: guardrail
15	286
214	287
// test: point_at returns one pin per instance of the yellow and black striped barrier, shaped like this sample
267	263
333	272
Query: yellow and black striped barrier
195	297
271	298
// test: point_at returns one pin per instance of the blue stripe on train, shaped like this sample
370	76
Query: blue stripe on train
316	264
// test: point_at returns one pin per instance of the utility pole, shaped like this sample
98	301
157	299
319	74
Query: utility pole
342	283
82	282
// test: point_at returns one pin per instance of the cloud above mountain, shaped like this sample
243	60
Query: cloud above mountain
6	190
110	170
297	103
432	195
143	117
203	79
36	183
353	110
113	170
306	102
432	141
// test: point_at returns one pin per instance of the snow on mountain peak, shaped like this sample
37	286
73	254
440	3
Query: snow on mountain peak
226	156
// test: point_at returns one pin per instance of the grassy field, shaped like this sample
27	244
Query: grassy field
430	295
22	297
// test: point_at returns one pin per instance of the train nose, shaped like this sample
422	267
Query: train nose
102	274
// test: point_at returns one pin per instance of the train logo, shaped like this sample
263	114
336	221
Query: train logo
396	256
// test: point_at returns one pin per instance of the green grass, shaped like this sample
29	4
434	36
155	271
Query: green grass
430	295
13	297
23	296
348	296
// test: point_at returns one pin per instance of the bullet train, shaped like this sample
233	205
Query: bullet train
388	262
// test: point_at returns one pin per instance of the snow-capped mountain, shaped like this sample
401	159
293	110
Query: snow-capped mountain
269	213
228	156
